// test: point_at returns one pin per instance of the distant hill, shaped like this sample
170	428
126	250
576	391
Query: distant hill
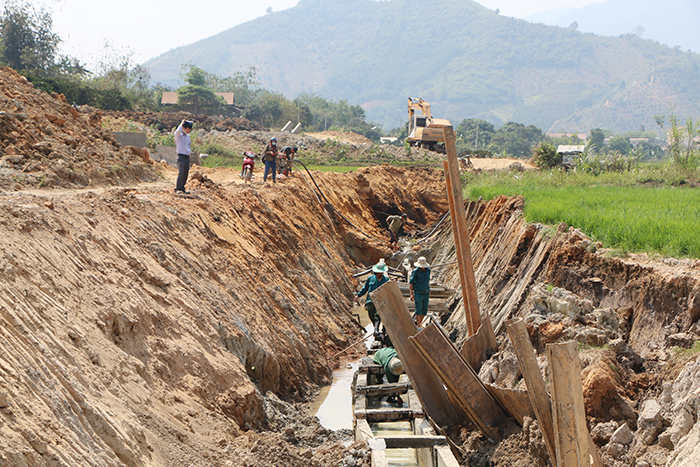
671	22
464	59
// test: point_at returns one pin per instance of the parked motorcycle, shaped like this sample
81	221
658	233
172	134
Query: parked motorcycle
248	166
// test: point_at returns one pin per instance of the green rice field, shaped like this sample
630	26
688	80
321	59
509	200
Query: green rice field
627	213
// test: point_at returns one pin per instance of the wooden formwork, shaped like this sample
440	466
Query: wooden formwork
431	450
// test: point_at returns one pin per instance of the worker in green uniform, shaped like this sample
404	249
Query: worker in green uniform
388	358
376	280
395	223
419	288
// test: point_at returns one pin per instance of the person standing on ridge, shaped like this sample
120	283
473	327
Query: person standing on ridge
183	146
375	281
270	158
395	223
419	288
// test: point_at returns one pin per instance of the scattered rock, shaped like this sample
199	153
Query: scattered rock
615	450
650	422
623	435
602	432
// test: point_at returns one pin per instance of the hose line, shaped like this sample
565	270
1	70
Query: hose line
328	202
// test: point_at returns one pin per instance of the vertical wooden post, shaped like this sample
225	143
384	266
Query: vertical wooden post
535	383
472	326
462	242
571	436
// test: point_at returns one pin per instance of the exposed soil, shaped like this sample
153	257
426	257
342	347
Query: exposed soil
143	328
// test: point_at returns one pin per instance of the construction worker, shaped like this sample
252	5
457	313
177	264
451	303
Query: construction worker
388	358
270	158
376	280
395	223
419	288
286	157
183	146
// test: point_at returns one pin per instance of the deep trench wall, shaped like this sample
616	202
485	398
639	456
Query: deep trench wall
656	298
134	321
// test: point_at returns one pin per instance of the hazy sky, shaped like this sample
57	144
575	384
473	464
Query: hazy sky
151	27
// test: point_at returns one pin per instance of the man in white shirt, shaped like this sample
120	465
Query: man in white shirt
182	143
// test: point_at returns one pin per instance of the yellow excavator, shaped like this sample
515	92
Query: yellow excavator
424	131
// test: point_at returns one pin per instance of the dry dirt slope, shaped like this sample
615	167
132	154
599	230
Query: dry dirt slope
141	328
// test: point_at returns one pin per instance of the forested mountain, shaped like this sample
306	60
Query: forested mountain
463	58
671	22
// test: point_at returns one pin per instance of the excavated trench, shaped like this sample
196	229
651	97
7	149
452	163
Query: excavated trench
143	329
626	315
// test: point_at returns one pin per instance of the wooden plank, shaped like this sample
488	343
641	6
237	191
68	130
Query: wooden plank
571	436
388	389
471	310
535	383
379	458
515	402
596	461
414	441
434	306
444	457
387	414
363	432
475	349
460	379
461	232
359	399
398	323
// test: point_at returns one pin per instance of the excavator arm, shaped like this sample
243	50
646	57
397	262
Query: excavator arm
418	104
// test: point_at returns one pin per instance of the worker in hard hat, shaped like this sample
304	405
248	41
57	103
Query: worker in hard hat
419	289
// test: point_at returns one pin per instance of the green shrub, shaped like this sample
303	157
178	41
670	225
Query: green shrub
546	156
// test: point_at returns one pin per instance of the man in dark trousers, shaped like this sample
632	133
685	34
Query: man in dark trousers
395	223
419	288
375	281
270	159
388	358
183	143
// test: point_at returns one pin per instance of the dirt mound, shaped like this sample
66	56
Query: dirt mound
168	121
45	142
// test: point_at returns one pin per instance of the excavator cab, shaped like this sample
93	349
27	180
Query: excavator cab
424	131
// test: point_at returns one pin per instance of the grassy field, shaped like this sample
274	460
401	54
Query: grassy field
653	210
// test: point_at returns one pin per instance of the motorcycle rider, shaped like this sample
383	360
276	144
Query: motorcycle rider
270	158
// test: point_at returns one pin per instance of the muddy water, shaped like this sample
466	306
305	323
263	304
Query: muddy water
333	406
